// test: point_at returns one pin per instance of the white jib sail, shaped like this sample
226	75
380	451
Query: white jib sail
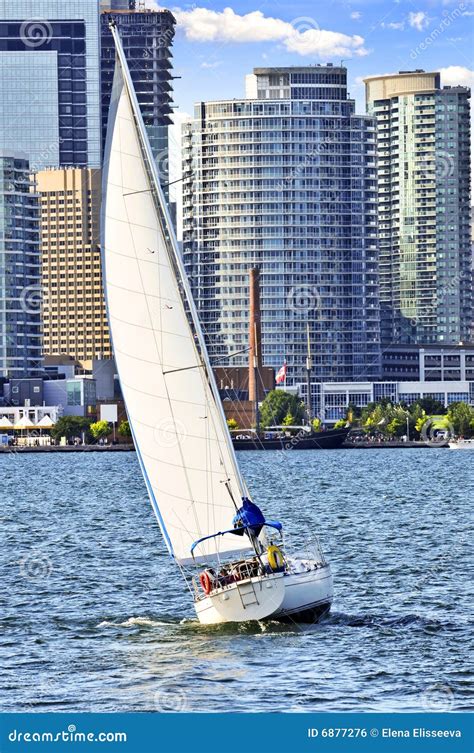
179	431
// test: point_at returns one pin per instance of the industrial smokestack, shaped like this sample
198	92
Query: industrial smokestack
255	342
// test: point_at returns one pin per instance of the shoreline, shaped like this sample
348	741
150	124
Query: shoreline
131	448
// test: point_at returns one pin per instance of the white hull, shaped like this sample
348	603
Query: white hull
304	595
463	444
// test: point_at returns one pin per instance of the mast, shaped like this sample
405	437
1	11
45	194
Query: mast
173	249
309	367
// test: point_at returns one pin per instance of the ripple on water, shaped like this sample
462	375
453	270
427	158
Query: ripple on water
100	617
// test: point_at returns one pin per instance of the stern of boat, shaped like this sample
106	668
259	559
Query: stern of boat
250	599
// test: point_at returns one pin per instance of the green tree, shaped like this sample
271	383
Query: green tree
232	424
316	424
277	405
461	417
340	424
430	405
71	426
289	420
124	429
100	429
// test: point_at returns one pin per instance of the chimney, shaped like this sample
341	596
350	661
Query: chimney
255	337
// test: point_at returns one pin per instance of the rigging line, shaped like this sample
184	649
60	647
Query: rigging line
200	365
150	190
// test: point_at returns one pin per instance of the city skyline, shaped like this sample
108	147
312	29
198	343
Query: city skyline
213	49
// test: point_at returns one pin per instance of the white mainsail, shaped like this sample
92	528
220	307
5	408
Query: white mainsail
178	426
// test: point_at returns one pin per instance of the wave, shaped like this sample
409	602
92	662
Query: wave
135	622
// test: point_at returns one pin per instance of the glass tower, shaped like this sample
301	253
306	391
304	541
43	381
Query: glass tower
285	180
147	37
423	150
20	279
49	81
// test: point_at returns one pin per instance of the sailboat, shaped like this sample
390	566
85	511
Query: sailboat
232	558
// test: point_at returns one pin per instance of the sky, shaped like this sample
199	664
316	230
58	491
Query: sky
217	44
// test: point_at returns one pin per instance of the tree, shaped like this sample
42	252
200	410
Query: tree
340	423
124	429
277	405
461	417
71	426
316	423
100	429
430	405
232	424
289	420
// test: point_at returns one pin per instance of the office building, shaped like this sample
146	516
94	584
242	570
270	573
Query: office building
147	36
49	81
423	150
331	399
20	282
285	181
74	317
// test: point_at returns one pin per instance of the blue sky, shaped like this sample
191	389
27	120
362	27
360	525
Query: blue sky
217	43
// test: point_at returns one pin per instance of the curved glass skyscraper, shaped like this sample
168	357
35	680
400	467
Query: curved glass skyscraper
285	180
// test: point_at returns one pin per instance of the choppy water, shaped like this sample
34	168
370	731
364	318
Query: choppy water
94	617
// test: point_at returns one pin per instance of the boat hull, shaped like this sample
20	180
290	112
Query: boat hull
303	596
324	440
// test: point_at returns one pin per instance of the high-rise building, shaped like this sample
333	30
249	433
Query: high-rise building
20	282
423	140
49	81
285	180
147	37
74	318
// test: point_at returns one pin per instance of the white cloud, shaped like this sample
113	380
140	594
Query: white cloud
418	20
393	25
457	75
302	36
356	15
216	64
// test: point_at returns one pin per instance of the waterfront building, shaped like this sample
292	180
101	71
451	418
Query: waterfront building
331	399
428	363
20	279
74	316
49	81
284	180
423	153
147	37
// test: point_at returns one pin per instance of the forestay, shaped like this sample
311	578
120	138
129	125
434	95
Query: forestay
178	428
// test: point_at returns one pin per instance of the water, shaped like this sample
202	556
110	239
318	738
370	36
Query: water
94	617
